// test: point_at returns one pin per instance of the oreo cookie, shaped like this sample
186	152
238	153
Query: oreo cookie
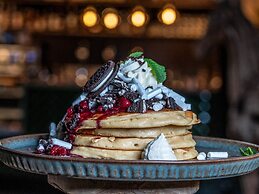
139	106
101	79
171	104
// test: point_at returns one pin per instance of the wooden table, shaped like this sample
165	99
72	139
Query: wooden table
80	186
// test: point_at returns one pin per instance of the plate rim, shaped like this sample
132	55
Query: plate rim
112	161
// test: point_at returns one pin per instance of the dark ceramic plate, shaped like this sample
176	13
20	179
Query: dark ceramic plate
17	152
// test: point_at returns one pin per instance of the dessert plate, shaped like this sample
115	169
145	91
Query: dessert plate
18	152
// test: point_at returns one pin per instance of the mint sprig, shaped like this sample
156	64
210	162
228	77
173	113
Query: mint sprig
157	70
247	151
136	54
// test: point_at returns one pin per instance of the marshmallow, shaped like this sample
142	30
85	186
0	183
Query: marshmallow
201	156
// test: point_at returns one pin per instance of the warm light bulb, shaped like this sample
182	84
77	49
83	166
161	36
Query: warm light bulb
90	18
168	16
138	18
111	20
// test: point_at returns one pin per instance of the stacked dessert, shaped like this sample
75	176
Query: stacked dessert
126	113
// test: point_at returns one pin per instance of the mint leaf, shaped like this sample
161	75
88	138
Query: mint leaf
243	153
157	70
136	54
247	151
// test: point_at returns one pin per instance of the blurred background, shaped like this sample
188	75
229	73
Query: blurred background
50	48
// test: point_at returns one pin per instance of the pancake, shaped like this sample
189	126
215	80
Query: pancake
182	141
168	131
90	152
140	120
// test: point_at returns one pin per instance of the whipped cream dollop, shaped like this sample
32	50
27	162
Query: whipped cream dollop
139	70
159	149
136	72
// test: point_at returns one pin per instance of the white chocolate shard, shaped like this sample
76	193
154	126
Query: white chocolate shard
61	143
52	129
217	155
79	99
131	67
157	106
124	78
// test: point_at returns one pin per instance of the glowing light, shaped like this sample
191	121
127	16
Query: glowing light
111	20
82	53
109	53
138	18
168	16
90	17
216	83
81	76
4	55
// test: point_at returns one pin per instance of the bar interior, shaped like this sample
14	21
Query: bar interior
50	48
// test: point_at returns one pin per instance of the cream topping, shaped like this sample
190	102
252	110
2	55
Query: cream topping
159	149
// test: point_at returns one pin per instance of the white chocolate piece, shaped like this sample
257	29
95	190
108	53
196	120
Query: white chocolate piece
154	93
131	67
216	155
170	93
148	89
179	100
104	91
157	106
159	96
61	143
183	105
133	87
131	74
52	129
40	148
125	79
201	156
79	99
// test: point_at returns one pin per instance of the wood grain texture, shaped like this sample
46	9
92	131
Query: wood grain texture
79	186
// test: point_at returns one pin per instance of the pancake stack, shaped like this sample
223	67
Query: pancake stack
125	136
124	108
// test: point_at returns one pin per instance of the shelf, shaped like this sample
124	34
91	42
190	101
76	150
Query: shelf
11	92
186	4
11	114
